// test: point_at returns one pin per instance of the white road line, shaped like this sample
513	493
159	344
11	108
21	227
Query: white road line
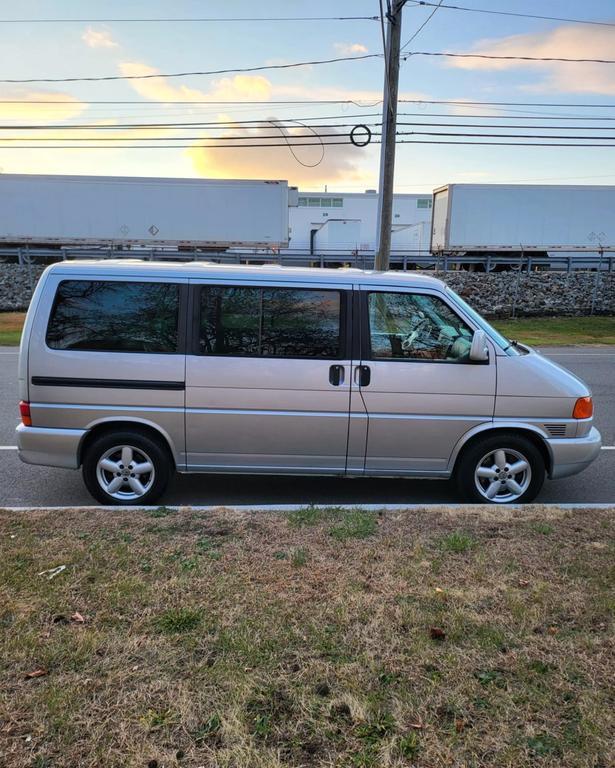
14	448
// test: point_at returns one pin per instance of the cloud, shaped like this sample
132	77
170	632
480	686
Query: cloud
350	49
252	87
571	41
341	162
98	38
62	107
244	87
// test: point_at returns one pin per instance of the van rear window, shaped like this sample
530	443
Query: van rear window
270	322
114	316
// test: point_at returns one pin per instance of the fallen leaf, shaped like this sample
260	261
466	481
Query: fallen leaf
40	672
439	590
459	725
553	630
523	583
77	618
437	634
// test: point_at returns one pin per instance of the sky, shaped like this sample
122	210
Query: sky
31	49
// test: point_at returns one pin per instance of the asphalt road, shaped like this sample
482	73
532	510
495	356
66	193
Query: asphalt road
24	485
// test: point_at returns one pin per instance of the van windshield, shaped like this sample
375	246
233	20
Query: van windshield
497	337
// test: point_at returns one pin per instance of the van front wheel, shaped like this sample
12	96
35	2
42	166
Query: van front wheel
126	468
501	469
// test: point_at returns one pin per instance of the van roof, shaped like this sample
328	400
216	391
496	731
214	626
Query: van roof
200	269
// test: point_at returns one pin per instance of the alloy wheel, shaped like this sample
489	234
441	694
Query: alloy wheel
125	473
503	475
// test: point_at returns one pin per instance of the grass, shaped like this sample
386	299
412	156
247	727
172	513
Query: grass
536	331
559	331
11	324
319	638
457	541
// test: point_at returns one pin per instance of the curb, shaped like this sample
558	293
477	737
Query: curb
296	507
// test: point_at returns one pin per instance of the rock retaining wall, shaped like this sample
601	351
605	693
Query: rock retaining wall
518	294
501	294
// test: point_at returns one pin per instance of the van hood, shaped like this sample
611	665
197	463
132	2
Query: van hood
534	375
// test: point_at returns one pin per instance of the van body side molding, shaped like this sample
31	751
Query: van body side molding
65	381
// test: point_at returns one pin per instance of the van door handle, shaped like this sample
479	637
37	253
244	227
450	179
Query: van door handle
362	375
336	375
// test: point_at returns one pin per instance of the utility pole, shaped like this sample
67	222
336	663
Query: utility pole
389	127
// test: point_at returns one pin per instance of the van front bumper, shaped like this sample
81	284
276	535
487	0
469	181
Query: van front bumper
572	455
49	447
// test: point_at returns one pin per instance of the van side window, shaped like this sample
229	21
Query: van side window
114	316
413	326
269	322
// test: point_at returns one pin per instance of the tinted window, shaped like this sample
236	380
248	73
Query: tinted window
270	322
114	316
406	326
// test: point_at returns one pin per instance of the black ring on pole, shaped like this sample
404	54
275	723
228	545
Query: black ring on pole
359	143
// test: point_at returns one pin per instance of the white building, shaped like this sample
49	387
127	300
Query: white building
346	222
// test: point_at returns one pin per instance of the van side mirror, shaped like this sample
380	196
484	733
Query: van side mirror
479	351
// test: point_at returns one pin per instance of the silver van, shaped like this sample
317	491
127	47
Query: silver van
132	370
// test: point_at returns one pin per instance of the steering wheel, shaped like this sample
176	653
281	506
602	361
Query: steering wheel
408	342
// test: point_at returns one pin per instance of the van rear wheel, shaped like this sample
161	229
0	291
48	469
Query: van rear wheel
126	468
501	469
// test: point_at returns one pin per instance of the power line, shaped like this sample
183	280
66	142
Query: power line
554	118
294	137
423	25
296	64
195	102
214	19
190	74
504	127
224	124
503	135
260	124
456	102
329	143
501	143
176	146
464	103
514	13
408	54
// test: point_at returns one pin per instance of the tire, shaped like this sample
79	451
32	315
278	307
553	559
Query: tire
110	480
483	470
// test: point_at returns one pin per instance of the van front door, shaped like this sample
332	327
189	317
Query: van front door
416	382
268	380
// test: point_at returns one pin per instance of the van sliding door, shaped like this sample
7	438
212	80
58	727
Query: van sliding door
268	377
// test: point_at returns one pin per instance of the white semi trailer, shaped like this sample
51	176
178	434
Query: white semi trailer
505	220
155	212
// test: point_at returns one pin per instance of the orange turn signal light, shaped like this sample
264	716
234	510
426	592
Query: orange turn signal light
24	410
583	408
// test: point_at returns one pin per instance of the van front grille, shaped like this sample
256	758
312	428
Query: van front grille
556	430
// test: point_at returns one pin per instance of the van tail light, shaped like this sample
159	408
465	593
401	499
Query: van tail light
24	410
583	408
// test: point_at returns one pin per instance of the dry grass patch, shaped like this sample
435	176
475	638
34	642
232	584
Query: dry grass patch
321	638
